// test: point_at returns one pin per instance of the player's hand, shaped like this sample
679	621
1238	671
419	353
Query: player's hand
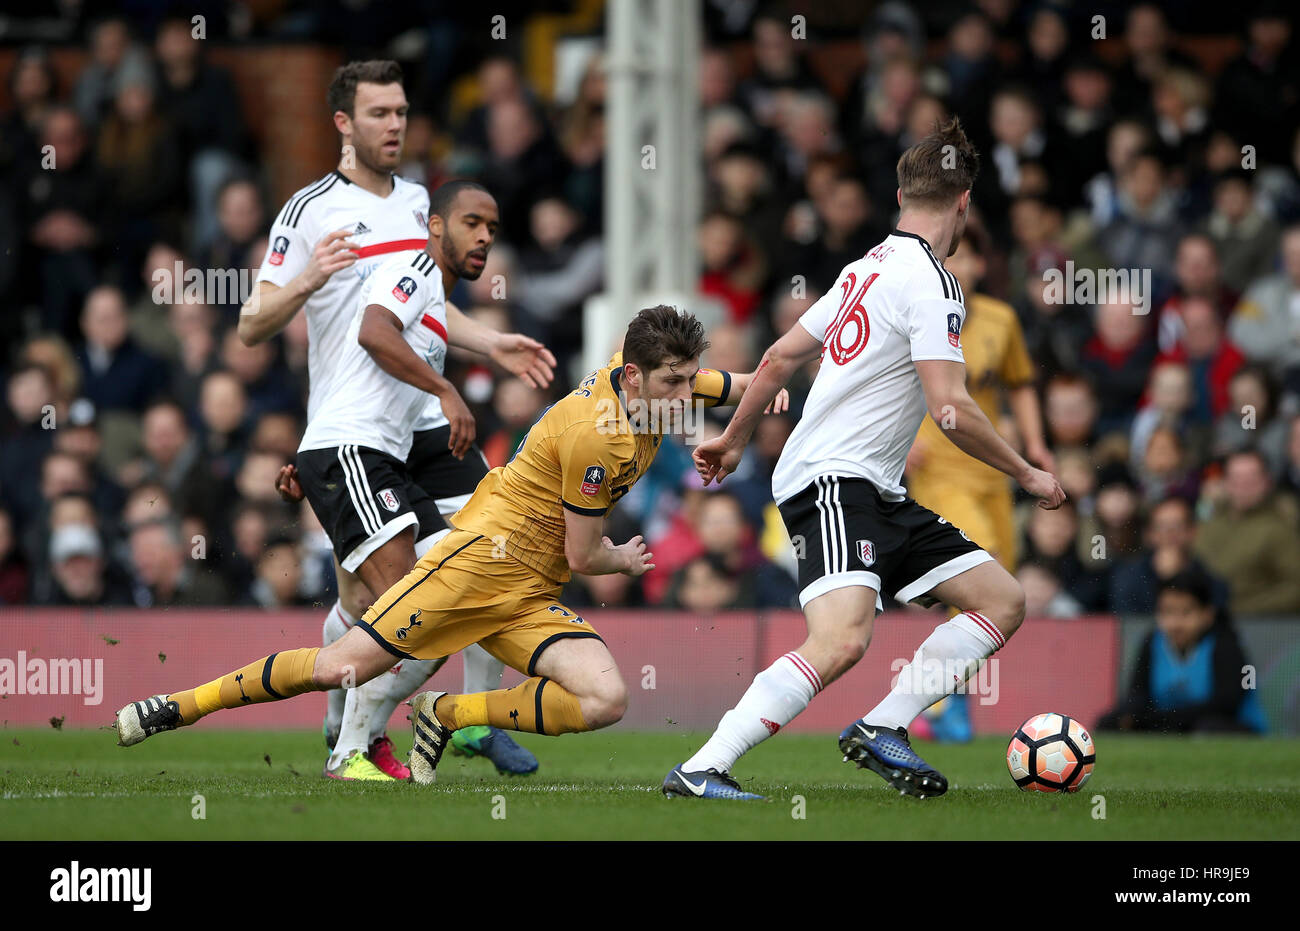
333	253
287	484
780	404
526	358
1045	487
716	459
638	560
461	420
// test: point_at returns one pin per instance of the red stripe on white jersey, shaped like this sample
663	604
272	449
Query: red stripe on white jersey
383	248
806	668
434	324
989	627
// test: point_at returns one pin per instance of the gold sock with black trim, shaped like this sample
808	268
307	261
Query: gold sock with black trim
271	678
537	705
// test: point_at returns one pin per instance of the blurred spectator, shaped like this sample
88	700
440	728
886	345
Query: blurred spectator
615	590
1070	412
1180	100
1124	140
113	55
1196	275
706	584
1245	238
1116	361
223	409
971	67
1050	541
522	162
1166	467
142	172
116	374
79	571
1188	676
1265	324
165	575
199	101
33	91
1250	419
1169	537
732	267
267	387
1258	93
1210	357
1083	116
1252	541
1045	66
1113	532
1144	229
240	224
1149	44
1044	595
779	66
1168	404
558	273
518	406
279	573
61	214
28	436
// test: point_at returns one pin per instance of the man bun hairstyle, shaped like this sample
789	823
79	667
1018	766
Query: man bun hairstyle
342	93
934	172
663	334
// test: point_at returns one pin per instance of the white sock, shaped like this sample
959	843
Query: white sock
336	625
482	670
778	693
947	658
400	683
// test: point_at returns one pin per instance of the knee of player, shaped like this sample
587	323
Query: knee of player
1011	611
850	650
606	705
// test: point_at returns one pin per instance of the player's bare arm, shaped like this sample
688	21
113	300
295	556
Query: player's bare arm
381	337
271	307
590	552
1027	412
955	411
740	383
519	355
719	457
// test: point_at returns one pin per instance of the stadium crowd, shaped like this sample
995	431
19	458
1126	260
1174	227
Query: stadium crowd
140	440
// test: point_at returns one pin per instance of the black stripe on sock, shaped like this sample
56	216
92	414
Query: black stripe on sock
537	705
266	677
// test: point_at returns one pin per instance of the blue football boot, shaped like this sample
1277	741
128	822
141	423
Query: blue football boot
708	784
496	746
886	752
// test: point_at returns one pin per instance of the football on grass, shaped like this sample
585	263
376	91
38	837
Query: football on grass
1051	753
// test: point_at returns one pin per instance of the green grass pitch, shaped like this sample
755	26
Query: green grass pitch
78	785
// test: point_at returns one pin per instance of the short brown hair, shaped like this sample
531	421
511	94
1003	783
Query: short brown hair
663	334
935	171
342	93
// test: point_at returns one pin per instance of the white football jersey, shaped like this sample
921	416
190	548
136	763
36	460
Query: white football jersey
894	306
380	226
365	405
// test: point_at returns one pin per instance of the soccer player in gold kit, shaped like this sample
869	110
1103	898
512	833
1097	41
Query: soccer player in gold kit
495	578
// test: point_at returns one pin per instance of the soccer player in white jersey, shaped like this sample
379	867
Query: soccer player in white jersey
889	337
324	245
